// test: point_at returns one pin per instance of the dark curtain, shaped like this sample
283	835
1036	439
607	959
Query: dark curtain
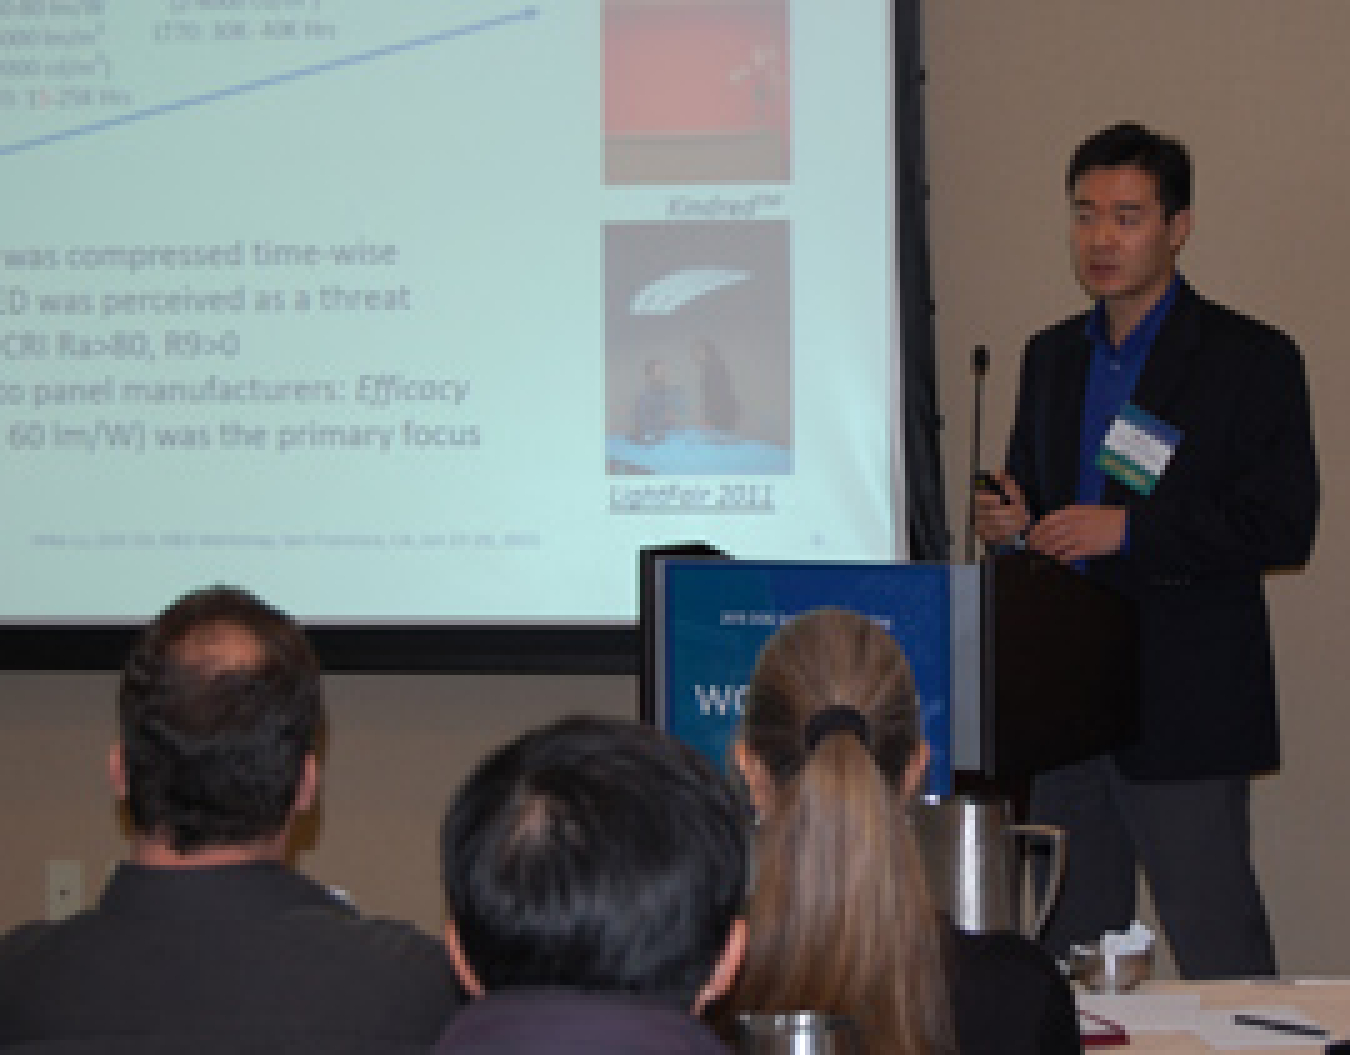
929	538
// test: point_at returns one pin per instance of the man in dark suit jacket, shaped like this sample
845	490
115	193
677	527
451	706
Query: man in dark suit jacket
205	941
1163	445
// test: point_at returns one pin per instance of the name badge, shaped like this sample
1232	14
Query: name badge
1137	448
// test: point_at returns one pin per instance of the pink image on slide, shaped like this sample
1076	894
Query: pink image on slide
697	92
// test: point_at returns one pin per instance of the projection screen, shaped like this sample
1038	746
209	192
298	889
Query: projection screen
426	314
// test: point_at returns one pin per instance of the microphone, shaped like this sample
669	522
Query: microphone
979	366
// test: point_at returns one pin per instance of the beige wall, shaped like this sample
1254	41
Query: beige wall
1260	91
398	746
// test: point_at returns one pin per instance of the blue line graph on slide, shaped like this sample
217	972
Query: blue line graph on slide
522	15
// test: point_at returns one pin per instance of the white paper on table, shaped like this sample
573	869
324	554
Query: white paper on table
1219	1031
1145	1014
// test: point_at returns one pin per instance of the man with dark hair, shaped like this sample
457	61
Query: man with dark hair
594	872
1163	445
205	941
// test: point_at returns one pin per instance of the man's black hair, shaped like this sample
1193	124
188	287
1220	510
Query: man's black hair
595	854
1130	145
214	751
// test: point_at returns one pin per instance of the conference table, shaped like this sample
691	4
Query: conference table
1182	1018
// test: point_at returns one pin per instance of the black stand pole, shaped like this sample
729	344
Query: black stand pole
979	366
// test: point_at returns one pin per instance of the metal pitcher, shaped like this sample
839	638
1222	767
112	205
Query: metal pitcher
797	1033
974	864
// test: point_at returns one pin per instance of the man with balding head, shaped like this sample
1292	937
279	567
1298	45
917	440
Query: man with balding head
205	941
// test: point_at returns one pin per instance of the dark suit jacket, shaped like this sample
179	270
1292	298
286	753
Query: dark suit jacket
560	1021
234	959
1239	497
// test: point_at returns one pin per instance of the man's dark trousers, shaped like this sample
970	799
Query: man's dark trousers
1191	838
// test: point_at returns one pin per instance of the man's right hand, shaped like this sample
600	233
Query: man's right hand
998	522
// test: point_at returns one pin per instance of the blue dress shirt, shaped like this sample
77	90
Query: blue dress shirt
1112	375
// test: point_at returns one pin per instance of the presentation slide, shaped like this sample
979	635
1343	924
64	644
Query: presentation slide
438	310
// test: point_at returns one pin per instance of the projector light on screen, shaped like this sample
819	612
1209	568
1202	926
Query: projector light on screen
437	313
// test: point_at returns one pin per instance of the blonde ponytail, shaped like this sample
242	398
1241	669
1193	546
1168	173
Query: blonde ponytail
840	920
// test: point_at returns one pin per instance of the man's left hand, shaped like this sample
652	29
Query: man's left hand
1078	532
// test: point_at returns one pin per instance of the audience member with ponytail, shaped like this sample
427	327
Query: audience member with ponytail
840	920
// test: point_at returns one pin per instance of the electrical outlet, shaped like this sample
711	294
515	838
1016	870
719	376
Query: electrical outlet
65	888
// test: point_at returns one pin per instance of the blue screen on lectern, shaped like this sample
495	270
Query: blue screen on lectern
714	616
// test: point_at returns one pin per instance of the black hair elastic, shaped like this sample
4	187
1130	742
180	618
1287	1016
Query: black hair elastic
835	719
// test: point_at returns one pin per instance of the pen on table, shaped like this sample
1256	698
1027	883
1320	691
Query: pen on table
1276	1025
